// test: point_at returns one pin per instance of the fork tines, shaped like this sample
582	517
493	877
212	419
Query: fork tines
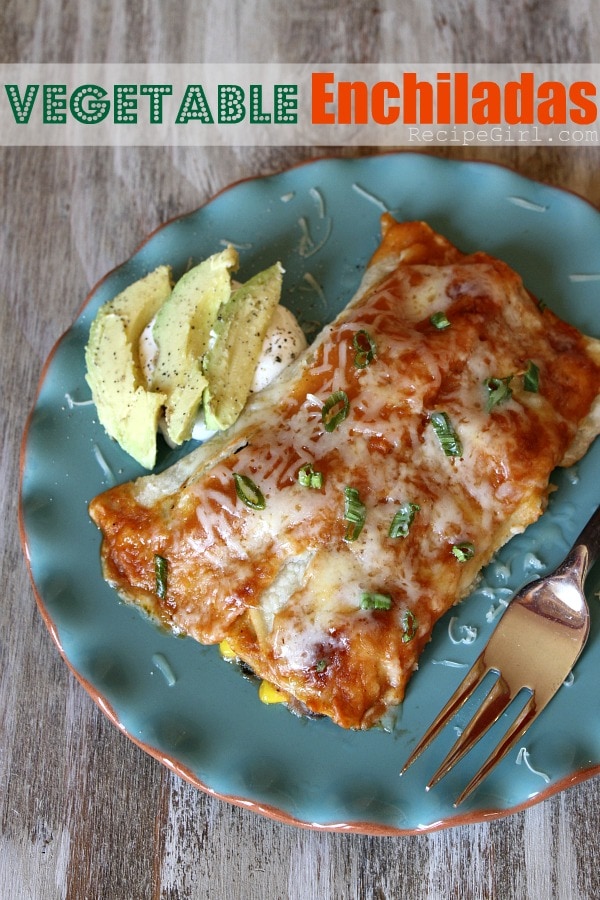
533	648
495	703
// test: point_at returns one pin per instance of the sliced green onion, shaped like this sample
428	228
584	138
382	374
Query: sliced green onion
308	477
320	666
403	520
354	513
248	492
335	409
499	390
531	378
409	625
440	320
447	436
464	551
374	600
160	573
365	348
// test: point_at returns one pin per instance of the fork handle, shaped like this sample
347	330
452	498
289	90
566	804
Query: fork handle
590	538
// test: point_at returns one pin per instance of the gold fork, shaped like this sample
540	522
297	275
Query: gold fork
534	646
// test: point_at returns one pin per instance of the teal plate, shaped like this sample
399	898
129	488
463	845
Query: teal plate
178	699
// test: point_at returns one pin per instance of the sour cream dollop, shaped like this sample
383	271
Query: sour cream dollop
284	341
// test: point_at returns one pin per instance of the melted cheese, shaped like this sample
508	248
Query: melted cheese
283	584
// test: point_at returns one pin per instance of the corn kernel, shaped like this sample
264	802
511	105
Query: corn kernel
226	650
268	693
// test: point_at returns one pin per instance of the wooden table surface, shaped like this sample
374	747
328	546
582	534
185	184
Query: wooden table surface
83	812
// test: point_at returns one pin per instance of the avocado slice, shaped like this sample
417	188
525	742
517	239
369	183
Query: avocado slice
182	332
240	329
126	409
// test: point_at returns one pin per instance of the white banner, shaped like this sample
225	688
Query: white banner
393	105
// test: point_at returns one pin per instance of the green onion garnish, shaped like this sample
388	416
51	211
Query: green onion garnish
531	378
403	520
160	572
354	513
440	320
370	600
320	666
447	436
365	348
409	626
499	390
335	409
248	492
308	477
464	551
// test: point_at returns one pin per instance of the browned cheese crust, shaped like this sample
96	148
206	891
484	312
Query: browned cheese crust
284	584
